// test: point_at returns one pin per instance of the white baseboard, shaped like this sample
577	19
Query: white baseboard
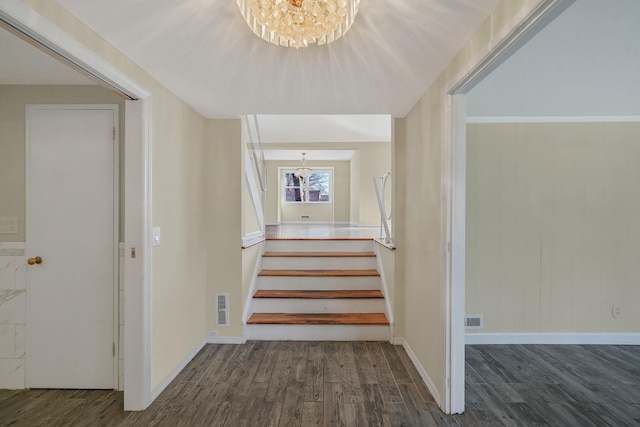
425	377
554	338
213	338
167	380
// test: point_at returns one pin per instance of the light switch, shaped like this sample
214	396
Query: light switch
156	236
9	225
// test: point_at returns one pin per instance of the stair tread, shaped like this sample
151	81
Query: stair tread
318	254
319	319
316	294
319	238
319	273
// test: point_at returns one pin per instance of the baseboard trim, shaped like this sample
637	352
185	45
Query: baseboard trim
167	380
423	373
554	338
212	338
552	119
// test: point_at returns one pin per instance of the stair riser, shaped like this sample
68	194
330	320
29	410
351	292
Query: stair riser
318	246
290	305
320	263
317	332
318	283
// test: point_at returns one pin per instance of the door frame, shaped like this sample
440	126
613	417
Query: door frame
453	163
116	217
23	21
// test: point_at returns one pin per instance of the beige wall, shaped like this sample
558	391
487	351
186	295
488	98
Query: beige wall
553	236
225	180
374	160
417	188
178	275
13	101
337	210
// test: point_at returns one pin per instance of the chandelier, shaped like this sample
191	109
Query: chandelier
298	23
303	171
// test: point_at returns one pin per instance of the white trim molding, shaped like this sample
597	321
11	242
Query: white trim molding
252	239
214	338
554	338
553	119
423	373
157	390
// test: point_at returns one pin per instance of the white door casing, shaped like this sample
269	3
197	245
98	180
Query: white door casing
72	223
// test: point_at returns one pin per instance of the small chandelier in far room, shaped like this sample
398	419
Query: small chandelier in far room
303	171
298	23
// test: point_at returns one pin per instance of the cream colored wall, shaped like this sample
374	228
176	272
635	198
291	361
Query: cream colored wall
375	160
387	261
13	101
321	212
553	236
418	199
225	180
250	257
178	275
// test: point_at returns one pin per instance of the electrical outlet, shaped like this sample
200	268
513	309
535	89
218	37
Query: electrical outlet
616	311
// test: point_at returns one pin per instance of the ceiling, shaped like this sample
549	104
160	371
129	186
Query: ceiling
203	51
323	128
23	64
310	155
584	63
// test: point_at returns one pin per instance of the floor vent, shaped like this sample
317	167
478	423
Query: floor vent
473	321
222	308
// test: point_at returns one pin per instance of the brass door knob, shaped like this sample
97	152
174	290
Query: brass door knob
36	260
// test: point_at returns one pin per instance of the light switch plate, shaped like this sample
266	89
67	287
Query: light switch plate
155	239
9	225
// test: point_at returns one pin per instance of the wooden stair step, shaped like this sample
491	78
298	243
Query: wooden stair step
318	319
318	254
319	273
266	293
318	238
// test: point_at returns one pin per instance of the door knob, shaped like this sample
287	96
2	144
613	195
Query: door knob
36	260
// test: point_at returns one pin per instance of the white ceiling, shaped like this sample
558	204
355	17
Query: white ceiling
323	128
203	51
585	63
23	64
311	155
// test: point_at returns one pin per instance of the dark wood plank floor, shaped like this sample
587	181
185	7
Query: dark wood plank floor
361	384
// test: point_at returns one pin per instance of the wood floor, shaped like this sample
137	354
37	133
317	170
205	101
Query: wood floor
363	384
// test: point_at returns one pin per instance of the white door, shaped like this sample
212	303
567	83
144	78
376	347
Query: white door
71	157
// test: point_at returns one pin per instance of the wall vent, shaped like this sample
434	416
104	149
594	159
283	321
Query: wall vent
474	321
222	309
305	216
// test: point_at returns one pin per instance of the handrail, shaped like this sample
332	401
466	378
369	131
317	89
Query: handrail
251	164
388	239
262	172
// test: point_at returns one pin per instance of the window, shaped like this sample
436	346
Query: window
315	188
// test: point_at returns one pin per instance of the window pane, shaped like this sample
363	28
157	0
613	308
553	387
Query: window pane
319	184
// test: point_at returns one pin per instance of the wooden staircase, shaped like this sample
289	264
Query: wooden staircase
318	290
